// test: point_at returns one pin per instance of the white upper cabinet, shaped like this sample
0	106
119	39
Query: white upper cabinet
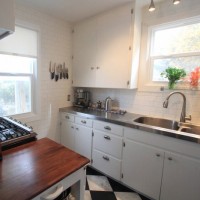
102	49
7	18
84	53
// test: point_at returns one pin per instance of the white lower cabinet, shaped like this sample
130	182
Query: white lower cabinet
83	141
160	167
181	178
107	148
149	166
75	136
107	164
68	134
142	168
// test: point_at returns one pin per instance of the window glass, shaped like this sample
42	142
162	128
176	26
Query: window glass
18	65
15	95
175	45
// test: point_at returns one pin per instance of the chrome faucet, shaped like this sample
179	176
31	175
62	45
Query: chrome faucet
183	117
108	104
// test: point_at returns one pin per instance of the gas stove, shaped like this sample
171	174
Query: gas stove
14	133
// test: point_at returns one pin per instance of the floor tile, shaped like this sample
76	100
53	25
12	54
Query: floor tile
127	196
91	171
102	195
117	187
98	183
87	195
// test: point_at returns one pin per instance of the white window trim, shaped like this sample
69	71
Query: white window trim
146	60
36	104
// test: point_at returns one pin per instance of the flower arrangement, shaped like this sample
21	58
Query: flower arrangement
194	77
173	74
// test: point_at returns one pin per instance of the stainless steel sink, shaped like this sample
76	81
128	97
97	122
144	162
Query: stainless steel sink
158	122
190	128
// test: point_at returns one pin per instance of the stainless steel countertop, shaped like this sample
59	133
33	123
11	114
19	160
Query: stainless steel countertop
127	120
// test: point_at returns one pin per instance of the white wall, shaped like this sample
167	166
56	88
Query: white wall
55	45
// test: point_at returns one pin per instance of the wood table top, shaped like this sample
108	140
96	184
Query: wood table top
30	169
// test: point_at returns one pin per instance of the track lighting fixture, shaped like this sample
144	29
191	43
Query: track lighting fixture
152	6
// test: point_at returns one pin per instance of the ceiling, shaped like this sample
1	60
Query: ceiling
75	10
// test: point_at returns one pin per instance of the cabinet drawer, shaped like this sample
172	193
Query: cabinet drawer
108	127
107	164
83	121
67	117
108	143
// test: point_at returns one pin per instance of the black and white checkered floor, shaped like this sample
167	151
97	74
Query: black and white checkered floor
100	187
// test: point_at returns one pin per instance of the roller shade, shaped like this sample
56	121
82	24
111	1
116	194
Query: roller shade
23	42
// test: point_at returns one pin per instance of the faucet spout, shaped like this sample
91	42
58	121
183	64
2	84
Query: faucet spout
183	112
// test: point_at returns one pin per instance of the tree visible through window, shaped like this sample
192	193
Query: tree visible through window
175	45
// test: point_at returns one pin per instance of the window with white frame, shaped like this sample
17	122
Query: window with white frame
174	45
18	66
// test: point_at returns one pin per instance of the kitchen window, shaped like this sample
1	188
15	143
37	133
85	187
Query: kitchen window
173	44
18	72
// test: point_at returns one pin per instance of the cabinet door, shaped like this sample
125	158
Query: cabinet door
113	53
83	141
84	54
142	168
181	178
67	134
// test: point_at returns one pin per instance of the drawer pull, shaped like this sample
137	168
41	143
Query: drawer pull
158	155
107	128
170	158
83	121
106	158
67	117
107	137
72	127
77	129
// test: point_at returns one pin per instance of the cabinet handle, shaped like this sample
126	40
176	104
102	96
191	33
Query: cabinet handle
169	158
106	158
92	68
98	67
77	129
158	155
72	127
107	137
83	121
107	128
67	117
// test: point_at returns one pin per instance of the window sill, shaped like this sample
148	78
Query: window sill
161	87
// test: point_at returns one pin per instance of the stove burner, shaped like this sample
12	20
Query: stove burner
13	132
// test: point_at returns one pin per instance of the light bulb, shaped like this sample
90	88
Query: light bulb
175	2
152	6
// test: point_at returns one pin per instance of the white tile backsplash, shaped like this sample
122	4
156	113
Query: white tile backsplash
151	103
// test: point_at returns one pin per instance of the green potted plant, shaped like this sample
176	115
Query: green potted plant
173	74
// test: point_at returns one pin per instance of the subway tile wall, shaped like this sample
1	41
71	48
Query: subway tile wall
55	46
151	103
